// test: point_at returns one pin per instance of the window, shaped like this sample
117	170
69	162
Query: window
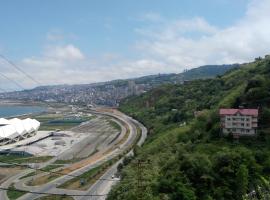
242	124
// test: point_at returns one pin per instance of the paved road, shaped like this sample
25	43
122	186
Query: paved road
101	186
104	187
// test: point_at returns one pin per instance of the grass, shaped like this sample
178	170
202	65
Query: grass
47	168
43	179
58	122
9	158
13	194
19	159
28	175
55	197
89	177
68	161
51	167
114	125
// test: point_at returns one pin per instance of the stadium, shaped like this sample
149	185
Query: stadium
13	130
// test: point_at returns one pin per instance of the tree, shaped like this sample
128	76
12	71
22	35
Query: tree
241	181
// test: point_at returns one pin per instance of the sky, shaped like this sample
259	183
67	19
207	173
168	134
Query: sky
86	41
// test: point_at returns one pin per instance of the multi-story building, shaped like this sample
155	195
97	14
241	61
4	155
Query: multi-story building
239	122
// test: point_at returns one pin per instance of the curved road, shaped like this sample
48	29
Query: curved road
100	186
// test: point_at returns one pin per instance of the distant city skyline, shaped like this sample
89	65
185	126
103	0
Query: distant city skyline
72	42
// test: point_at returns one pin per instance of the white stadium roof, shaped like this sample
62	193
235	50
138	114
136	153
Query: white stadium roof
3	121
14	128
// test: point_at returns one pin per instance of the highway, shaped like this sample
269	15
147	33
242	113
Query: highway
100	186
104	187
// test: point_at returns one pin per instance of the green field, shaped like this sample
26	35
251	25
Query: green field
60	122
23	159
13	194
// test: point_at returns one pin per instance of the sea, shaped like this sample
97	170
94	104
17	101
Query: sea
17	110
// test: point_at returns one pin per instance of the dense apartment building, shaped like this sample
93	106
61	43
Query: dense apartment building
239	122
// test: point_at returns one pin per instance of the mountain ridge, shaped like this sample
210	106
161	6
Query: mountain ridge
112	92
186	155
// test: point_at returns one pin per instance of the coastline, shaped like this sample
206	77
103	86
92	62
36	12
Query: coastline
30	110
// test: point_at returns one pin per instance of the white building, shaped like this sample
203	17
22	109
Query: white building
239	122
15	129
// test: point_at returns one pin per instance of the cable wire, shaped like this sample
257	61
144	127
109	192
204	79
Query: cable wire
15	82
19	69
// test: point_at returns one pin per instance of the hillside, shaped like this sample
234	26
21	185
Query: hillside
185	157
112	92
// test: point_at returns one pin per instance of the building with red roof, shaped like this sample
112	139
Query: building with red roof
239	122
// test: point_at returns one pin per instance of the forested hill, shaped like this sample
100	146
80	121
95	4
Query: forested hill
185	157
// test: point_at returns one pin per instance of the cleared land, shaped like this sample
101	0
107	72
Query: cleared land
84	181
55	197
98	135
6	172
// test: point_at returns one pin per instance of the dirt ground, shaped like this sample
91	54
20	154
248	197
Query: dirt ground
6	172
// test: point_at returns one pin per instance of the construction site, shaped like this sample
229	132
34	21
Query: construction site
68	154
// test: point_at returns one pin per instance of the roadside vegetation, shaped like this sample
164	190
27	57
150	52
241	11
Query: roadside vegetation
186	156
114	125
19	159
13	194
84	181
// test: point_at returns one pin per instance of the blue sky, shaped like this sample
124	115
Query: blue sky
98	26
87	41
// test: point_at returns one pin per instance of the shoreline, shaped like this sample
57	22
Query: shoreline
40	110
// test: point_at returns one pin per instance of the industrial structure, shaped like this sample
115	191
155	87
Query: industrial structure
13	130
239	122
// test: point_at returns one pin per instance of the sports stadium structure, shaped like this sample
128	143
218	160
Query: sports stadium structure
15	129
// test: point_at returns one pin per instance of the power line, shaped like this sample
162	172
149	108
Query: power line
15	82
19	69
48	193
3	90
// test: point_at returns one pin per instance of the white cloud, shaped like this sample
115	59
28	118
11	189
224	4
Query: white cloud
164	46
193	42
67	52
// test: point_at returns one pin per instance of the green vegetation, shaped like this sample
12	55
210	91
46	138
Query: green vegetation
85	180
207	71
51	167
13	194
190	160
57	121
19	159
115	125
28	175
47	169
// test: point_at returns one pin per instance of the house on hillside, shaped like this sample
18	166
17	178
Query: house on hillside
239	122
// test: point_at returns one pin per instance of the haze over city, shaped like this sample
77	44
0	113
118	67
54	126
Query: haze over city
135	100
72	42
